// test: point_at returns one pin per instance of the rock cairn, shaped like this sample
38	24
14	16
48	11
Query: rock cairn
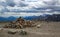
20	23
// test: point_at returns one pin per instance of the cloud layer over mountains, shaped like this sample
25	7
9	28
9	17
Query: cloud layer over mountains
52	6
29	5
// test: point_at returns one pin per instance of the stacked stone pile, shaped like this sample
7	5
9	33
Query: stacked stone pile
20	23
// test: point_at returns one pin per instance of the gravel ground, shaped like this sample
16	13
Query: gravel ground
47	29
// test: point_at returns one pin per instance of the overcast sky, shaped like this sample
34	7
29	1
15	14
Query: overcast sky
11	7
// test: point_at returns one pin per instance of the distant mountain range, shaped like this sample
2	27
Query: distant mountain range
54	17
11	18
46	17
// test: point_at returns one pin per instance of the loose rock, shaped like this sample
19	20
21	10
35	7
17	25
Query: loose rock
23	32
38	26
12	32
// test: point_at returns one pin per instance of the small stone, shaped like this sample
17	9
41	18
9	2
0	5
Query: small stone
23	32
12	32
38	26
1	29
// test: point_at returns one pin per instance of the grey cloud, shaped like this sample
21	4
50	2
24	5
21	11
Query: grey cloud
48	5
